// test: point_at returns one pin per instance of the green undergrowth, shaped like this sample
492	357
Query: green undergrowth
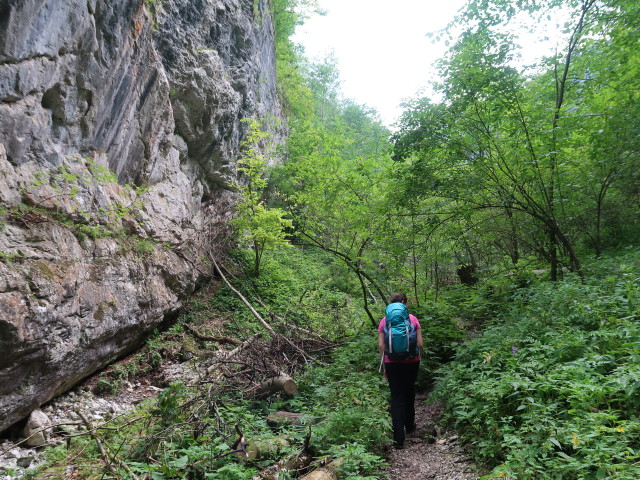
301	287
187	432
550	390
348	400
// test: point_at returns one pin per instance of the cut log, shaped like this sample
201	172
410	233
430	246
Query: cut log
328	472
281	383
278	419
260	449
292	463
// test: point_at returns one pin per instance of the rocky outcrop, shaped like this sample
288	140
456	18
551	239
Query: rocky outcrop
120	124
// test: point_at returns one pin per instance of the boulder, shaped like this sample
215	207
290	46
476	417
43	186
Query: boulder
38	430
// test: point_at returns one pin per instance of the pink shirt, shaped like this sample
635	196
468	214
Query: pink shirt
414	321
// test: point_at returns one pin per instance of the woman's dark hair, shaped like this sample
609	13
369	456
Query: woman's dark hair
398	298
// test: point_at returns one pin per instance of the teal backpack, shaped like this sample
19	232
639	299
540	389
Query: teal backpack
400	335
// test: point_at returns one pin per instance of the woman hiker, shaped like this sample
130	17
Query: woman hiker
401	368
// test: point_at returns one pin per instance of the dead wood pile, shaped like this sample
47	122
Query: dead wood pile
260	367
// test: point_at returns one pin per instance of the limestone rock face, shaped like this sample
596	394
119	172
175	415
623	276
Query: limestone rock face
120	124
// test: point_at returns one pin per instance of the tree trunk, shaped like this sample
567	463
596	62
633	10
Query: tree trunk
364	298
553	255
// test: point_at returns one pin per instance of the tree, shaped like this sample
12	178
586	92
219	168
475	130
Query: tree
332	176
263	227
518	145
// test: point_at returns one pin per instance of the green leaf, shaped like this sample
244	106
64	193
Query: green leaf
180	462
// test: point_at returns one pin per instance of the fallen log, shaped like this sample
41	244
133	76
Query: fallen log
260	449
292	463
328	472
281	383
278	419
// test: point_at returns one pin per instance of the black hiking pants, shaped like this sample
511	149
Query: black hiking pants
402	379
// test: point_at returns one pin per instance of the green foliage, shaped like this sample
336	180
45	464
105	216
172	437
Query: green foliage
93	231
185	432
358	462
10	256
144	246
294	94
550	389
262	226
351	397
305	286
535	162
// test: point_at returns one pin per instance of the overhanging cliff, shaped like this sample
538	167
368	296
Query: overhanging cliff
120	123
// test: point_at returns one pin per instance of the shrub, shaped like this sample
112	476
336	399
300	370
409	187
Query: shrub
549	389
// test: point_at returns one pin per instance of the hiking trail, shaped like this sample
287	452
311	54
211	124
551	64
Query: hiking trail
430	453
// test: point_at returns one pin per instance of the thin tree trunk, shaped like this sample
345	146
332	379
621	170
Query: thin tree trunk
561	85
365	300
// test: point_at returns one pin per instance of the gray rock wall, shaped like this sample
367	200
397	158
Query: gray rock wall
119	132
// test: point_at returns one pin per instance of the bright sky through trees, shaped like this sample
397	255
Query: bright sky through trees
382	48
384	54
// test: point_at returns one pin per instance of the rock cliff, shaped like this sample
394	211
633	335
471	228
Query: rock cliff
120	123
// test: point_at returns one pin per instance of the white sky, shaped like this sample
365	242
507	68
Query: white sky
382	48
383	53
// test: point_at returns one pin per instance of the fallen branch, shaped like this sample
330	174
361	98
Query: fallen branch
206	338
255	313
226	355
241	347
244	300
108	460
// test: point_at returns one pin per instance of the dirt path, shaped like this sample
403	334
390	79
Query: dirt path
430	453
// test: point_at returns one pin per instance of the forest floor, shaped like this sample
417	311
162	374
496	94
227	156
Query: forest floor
430	453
